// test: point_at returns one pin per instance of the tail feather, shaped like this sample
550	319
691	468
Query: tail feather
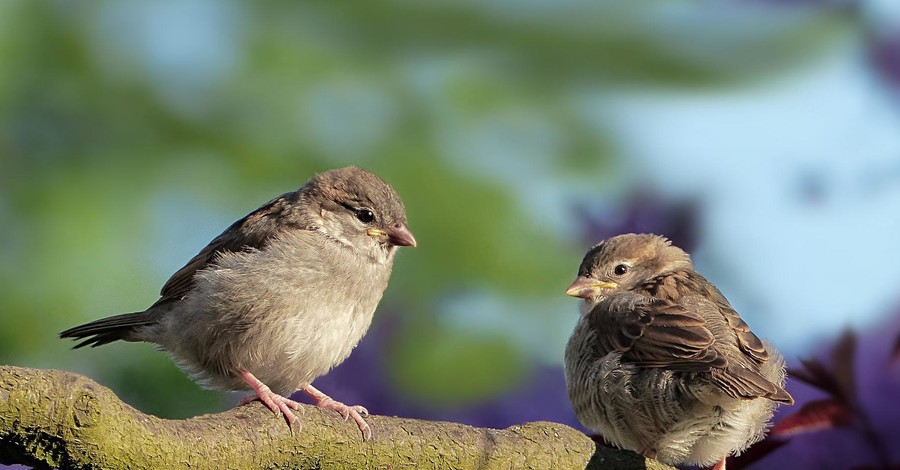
774	371
107	330
782	396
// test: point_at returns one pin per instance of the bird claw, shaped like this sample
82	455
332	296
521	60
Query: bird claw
366	431
356	412
279	405
361	410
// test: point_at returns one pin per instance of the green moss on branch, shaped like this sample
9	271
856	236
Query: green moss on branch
52	418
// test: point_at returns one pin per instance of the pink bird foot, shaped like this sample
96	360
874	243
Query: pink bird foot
720	465
356	412
277	403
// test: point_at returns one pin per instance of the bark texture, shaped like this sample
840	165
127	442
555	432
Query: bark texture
52	418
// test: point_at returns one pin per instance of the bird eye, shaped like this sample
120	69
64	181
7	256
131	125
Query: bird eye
621	269
365	215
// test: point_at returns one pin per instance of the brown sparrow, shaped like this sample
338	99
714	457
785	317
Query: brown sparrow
280	297
660	363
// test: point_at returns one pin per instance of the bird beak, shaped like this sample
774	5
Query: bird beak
398	235
585	287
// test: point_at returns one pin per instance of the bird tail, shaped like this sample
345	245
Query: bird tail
109	329
782	396
774	371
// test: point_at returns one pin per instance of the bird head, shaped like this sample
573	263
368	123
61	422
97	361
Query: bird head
359	209
623	263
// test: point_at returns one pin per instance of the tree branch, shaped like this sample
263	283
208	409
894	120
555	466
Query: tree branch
52	418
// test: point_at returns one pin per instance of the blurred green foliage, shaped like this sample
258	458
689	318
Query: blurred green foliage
131	133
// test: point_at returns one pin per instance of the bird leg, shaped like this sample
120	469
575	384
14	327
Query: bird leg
720	465
277	403
356	412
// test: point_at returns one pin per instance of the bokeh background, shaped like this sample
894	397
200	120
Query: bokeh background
763	136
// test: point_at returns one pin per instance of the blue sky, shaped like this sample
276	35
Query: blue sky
799	183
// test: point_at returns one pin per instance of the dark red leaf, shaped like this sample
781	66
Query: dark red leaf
815	374
815	416
843	359
754	453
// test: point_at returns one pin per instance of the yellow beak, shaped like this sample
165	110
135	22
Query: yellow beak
585	287
399	235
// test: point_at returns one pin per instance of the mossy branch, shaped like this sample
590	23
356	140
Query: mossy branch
52	418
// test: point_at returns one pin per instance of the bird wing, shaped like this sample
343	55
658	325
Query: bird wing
741	377
253	231
749	343
654	333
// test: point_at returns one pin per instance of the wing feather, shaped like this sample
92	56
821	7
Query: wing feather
253	231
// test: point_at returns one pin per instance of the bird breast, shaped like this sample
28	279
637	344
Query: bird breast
680	416
287	313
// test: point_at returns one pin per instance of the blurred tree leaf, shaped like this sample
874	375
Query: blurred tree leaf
451	367
120	156
815	416
843	358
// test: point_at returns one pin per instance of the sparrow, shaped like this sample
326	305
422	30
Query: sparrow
280	297
659	361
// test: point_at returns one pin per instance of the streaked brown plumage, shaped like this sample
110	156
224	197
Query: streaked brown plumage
281	296
660	363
